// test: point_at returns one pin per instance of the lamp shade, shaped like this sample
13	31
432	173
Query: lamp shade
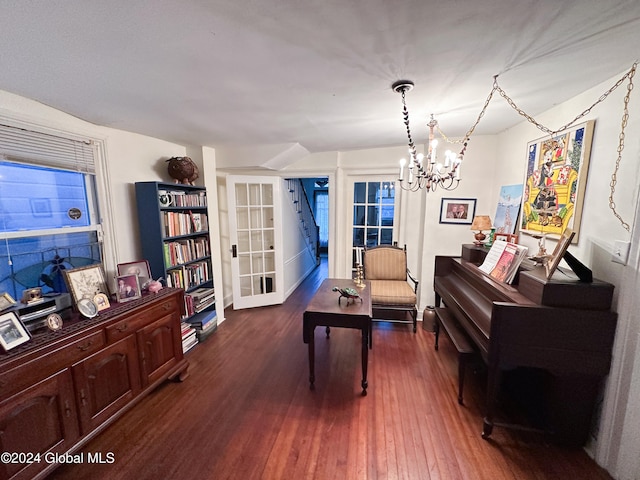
481	222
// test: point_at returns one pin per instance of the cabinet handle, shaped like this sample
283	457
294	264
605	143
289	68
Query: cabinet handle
166	307
122	328
83	398
85	346
67	408
2	383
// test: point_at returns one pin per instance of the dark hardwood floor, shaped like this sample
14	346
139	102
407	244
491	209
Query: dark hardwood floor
246	412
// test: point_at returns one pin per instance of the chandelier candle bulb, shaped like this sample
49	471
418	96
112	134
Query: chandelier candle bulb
403	162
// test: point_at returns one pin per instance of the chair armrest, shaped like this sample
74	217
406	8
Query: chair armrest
414	280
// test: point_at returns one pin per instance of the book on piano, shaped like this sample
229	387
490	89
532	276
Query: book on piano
503	260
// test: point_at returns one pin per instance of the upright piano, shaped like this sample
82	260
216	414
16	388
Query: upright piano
561	328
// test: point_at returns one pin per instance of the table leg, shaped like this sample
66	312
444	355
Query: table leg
312	356
328	331
365	359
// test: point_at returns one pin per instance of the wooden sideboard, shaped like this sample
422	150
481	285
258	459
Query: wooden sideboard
62	388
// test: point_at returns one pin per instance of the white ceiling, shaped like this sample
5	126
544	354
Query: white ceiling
313	74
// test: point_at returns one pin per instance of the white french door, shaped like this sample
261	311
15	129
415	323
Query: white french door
255	231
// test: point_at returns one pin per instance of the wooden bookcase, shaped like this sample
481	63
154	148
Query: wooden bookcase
176	243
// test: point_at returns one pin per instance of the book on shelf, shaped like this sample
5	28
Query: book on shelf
203	293
503	260
193	341
203	334
203	321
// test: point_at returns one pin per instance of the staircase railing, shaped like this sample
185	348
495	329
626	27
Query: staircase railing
305	215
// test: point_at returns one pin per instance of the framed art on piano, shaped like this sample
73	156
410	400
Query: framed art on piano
558	252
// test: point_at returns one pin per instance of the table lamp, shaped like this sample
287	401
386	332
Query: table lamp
480	223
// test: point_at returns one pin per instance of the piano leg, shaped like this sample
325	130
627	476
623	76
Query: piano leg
487	428
493	387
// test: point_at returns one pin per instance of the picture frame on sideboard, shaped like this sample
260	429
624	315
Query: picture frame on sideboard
12	331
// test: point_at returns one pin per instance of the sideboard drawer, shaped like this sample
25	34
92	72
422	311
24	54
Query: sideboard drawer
140	319
17	378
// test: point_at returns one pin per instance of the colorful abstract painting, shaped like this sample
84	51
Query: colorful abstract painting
555	180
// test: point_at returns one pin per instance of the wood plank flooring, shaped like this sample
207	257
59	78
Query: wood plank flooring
246	412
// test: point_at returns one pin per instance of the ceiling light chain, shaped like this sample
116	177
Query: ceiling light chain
614	175
431	177
553	133
467	136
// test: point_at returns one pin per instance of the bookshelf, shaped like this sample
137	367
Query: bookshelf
174	233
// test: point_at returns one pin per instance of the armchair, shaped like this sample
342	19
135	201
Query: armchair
385	266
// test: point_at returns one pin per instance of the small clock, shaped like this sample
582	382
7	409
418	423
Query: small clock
87	308
54	322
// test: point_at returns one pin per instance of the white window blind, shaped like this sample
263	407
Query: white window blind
28	146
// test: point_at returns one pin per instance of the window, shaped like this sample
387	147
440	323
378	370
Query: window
322	217
49	218
373	213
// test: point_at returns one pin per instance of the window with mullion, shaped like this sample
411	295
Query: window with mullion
373	213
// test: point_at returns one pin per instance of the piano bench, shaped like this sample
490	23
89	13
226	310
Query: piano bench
460	341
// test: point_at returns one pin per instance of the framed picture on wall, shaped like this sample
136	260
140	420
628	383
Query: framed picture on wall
457	210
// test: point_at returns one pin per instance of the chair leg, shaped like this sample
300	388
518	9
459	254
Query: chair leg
414	314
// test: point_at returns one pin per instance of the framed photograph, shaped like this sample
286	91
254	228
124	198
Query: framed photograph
507	237
128	288
101	301
139	268
54	322
457	210
12	331
6	301
558	252
555	182
86	282
87	308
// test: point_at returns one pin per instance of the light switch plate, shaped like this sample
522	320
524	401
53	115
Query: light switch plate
620	252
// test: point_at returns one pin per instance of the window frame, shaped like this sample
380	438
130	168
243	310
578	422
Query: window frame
98	198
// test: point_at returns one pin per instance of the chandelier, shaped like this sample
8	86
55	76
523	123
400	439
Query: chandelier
425	171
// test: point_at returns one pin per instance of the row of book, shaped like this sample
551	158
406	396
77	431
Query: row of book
503	260
183	251
184	199
179	223
204	324
199	300
189	276
189	337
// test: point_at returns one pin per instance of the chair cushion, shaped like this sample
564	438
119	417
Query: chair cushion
392	292
385	264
